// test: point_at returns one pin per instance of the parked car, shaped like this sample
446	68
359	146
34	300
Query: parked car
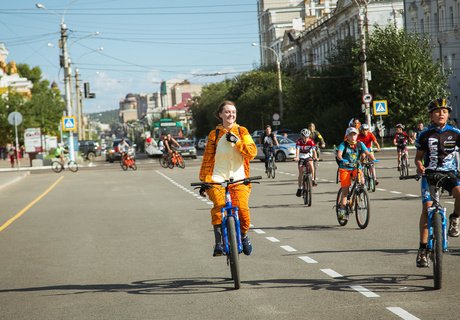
187	148
113	153
89	149
201	144
285	150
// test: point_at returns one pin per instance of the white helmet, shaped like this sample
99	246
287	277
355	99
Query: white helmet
305	133
351	130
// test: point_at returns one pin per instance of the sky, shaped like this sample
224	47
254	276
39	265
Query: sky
123	47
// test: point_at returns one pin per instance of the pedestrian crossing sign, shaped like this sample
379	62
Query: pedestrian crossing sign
69	124
380	107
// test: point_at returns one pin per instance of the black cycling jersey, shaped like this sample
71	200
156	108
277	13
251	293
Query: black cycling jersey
439	146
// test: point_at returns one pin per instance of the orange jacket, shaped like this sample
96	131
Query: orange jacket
245	145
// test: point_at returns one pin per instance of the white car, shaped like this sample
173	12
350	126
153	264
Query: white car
201	144
187	148
285	150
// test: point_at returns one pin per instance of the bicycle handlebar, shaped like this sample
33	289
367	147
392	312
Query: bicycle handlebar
228	182
430	175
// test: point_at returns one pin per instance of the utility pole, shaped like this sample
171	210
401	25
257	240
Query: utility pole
67	75
362	18
81	133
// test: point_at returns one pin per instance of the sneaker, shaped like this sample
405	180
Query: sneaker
342	215
299	192
399	168
422	260
218	250
453	226
247	245
376	182
314	183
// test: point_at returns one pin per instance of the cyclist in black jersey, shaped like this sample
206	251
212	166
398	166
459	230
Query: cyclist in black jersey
268	141
436	149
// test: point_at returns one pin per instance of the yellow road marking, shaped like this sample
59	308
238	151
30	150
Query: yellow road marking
30	205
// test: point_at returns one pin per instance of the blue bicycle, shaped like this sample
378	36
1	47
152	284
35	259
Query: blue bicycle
437	223
231	233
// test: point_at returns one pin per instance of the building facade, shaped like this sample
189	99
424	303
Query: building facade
440	21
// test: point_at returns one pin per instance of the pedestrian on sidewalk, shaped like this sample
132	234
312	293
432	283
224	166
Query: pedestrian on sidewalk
12	155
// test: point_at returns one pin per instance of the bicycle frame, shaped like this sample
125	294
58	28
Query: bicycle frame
436	208
230	211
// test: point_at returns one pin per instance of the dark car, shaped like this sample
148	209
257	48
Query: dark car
89	149
113	153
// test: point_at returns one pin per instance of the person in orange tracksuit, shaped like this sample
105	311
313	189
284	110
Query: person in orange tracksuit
227	154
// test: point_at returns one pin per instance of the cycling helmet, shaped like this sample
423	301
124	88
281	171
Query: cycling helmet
365	126
305	133
399	126
351	130
439	104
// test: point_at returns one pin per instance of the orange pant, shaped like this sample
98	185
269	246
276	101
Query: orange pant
240	198
346	175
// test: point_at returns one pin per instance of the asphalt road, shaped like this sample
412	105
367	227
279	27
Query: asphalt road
108	244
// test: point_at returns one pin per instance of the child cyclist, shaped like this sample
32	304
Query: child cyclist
400	141
369	139
349	153
436	148
227	154
305	153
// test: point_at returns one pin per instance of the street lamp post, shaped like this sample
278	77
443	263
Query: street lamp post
278	70
67	74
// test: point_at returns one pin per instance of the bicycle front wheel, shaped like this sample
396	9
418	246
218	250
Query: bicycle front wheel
307	186
56	167
233	256
406	167
72	166
273	165
437	253
181	162
164	162
362	209
134	166
341	221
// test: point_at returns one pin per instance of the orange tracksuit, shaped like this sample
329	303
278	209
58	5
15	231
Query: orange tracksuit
244	150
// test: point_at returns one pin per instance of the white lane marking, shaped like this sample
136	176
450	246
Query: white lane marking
331	273
210	202
380	189
365	292
308	259
272	239
288	248
412	195
259	231
403	314
396	192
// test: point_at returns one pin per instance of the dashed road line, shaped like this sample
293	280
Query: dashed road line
272	239
307	259
259	231
365	292
288	248
403	314
396	192
331	273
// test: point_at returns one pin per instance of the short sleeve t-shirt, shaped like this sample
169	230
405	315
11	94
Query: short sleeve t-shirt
367	139
352	153
305	148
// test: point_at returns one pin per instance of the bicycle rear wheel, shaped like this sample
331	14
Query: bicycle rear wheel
233	256
342	222
362	209
436	255
56	167
72	166
371	179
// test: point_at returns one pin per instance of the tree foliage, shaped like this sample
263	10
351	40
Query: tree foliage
43	110
404	73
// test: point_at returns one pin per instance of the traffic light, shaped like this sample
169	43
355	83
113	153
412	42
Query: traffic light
86	89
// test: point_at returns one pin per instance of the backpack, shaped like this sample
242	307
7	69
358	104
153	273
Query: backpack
360	151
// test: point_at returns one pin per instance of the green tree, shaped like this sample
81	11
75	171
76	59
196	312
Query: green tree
404	74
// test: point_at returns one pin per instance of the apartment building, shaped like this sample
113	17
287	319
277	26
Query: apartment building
440	21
